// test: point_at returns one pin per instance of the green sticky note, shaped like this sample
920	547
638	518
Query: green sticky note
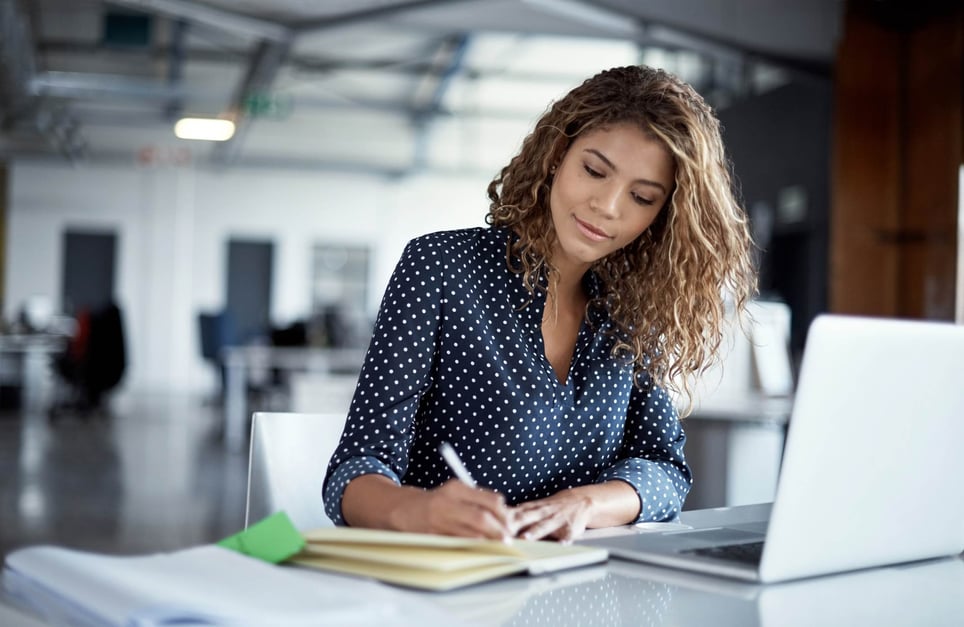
273	539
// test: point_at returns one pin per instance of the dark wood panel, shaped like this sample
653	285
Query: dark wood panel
866	170
934	82
897	149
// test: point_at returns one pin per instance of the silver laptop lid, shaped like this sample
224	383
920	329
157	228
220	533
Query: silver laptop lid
875	452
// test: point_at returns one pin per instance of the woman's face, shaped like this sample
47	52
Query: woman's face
610	186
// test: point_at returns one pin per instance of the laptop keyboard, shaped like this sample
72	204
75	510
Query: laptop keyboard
747	553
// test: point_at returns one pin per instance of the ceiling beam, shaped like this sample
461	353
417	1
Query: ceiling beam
274	42
19	106
212	17
175	67
271	54
84	87
303	63
17	61
593	14
268	58
658	33
366	15
438	75
673	38
430	92
90	86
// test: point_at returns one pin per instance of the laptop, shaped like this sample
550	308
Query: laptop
871	470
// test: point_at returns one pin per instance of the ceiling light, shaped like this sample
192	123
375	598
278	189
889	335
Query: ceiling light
207	129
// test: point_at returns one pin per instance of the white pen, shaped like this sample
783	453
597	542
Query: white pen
458	468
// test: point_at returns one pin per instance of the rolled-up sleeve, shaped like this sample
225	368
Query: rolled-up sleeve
651	458
396	374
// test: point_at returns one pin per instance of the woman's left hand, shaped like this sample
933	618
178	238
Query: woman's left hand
565	515
562	516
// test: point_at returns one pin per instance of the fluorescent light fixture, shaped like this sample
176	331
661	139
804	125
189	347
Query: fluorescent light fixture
206	129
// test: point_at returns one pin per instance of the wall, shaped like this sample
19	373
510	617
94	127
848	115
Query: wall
779	143
173	225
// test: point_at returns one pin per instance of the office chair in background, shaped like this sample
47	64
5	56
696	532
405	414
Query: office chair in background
216	330
92	365
287	464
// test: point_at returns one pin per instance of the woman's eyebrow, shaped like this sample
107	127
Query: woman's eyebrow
612	166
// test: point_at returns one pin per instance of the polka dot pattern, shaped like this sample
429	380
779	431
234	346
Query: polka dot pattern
457	355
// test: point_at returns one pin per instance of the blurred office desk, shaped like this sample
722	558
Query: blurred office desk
242	362
734	446
26	365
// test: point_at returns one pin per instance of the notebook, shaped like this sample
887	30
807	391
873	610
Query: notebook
871	470
206	585
433	562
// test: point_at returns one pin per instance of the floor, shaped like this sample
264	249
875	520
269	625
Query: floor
152	475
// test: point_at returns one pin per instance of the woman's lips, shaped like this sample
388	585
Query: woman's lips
590	231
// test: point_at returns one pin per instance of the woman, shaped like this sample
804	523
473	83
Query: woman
540	347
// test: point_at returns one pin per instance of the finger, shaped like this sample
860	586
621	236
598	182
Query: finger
525	517
575	526
474	522
561	524
569	532
480	511
492	527
487	500
544	528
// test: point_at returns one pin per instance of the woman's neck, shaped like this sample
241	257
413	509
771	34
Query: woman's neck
567	287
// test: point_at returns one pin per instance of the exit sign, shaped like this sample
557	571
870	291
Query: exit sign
267	105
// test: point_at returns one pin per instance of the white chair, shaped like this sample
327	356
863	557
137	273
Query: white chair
287	464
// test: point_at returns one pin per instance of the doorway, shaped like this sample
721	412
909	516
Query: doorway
88	272
248	300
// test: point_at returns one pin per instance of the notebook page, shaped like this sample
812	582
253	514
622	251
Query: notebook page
208	582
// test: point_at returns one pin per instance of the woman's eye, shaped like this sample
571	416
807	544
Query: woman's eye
639	200
593	173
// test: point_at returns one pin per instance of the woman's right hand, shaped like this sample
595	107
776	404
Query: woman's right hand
453	508
457	509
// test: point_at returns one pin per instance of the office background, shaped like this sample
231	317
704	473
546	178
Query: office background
363	124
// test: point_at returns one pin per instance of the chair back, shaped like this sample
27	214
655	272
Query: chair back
216	330
106	351
287	465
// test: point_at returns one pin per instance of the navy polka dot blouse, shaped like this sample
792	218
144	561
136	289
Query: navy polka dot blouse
457	355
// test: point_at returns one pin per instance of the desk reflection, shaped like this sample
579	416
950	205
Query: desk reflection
587	596
622	593
929	593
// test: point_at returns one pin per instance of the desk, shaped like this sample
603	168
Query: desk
25	363
621	593
752	409
625	593
241	361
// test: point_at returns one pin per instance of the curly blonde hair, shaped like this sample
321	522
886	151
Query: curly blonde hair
664	292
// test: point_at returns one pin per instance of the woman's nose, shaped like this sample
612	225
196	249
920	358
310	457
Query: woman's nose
605	201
